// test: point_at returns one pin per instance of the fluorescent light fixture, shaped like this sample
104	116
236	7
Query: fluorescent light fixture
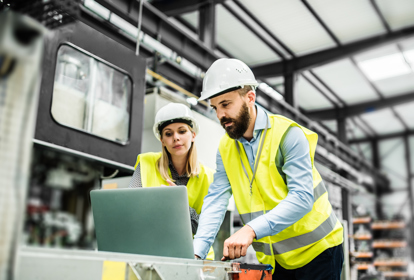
270	91
192	100
124	25
97	9
385	67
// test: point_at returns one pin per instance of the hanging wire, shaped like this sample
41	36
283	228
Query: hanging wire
139	26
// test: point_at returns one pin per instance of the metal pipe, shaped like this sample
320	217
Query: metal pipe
174	86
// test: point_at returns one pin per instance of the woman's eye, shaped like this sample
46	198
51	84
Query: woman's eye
225	104
168	134
183	131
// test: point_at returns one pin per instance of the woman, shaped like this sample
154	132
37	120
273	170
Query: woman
177	164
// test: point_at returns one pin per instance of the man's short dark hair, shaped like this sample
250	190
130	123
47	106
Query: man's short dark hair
243	91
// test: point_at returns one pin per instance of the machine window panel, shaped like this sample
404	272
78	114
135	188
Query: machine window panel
91	95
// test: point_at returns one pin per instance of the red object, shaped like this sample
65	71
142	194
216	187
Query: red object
251	272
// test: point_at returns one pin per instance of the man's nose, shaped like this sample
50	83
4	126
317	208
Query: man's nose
220	114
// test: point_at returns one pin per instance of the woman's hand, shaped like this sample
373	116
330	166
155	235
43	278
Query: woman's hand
170	183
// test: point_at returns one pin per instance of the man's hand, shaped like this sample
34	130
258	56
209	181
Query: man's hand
236	245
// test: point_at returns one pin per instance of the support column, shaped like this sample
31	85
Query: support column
289	89
342	129
207	24
377	164
346	206
410	190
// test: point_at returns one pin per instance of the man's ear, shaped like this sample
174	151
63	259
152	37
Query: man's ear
251	97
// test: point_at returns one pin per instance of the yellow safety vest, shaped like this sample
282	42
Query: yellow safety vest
197	186
300	243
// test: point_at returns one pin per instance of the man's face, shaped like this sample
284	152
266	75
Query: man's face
233	113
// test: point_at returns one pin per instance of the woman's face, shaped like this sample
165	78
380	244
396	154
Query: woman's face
177	138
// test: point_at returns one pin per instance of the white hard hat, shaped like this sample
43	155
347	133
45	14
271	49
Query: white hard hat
225	75
173	113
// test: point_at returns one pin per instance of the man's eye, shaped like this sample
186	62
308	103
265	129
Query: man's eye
225	104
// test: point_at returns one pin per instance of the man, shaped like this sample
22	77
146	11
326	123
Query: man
267	163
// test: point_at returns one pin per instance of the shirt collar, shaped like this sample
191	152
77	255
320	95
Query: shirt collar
260	123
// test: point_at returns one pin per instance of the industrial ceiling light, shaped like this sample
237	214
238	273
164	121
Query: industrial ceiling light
385	67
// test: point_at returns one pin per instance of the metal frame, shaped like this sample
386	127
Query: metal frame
207	25
254	18
319	90
178	7
170	35
360	108
253	30
308	61
321	22
48	130
157	25
378	93
48	264
383	137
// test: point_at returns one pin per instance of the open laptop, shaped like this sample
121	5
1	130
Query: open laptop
146	221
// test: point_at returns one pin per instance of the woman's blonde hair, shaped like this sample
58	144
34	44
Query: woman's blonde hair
192	167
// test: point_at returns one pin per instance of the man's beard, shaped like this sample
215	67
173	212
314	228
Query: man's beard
240	123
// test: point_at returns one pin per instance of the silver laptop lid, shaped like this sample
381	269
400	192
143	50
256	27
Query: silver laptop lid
148	221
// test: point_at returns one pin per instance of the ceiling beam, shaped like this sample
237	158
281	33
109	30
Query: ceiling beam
207	25
314	59
382	137
157	25
259	23
321	22
243	21
361	108
179	7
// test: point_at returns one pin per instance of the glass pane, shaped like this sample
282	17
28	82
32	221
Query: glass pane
91	96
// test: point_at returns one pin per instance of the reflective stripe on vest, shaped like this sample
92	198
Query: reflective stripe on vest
317	192
298	241
306	239
262	247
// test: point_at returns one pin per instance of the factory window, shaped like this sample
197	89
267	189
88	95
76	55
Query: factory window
91	95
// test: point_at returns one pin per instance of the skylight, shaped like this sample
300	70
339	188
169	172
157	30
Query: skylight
386	66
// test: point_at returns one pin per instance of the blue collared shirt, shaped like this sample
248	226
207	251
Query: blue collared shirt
293	163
